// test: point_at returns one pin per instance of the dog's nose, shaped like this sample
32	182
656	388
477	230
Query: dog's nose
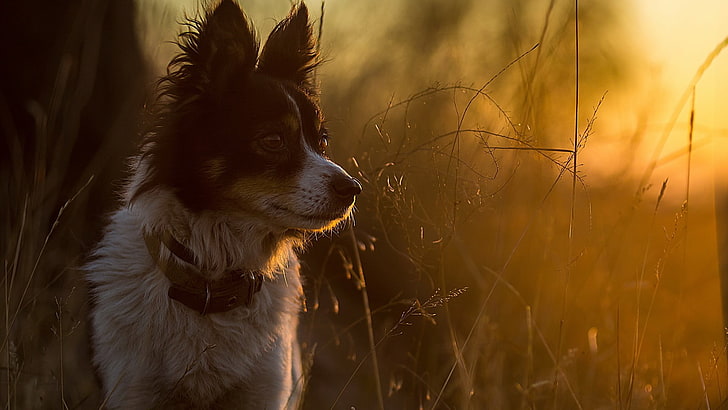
346	187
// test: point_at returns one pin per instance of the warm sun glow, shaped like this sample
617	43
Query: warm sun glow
513	246
678	38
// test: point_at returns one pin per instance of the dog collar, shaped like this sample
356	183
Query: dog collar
190	288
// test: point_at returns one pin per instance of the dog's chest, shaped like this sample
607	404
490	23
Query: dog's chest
219	352
153	349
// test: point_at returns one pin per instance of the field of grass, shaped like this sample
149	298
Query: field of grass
521	242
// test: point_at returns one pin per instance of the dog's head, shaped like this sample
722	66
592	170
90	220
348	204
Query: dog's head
241	132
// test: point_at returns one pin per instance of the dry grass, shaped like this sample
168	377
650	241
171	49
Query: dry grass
486	268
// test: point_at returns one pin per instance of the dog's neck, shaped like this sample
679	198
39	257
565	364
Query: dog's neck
219	242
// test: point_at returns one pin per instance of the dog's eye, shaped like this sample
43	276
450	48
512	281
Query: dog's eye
324	141
272	142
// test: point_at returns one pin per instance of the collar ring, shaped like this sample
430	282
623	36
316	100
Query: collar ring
207	298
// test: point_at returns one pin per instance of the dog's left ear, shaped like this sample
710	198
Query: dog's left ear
290	53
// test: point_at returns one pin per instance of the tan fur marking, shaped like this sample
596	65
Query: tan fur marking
214	168
292	123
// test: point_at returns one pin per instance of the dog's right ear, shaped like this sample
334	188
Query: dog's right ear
225	48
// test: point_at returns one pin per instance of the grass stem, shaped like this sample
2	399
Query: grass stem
368	316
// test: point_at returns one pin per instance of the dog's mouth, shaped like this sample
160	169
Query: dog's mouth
320	220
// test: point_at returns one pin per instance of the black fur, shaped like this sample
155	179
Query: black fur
290	52
219	98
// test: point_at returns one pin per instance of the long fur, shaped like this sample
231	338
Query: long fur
252	213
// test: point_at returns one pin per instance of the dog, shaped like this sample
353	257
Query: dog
195	285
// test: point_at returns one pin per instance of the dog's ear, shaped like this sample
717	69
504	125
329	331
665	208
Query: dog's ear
227	47
290	53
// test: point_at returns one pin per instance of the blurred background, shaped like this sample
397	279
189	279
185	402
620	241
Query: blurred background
531	235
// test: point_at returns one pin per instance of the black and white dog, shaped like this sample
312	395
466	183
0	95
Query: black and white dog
195	284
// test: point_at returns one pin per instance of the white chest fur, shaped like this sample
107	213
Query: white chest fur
156	350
